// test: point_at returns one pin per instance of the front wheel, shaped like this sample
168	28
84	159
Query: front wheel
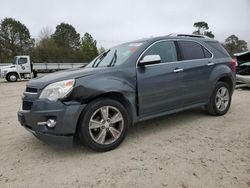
220	100
103	125
12	77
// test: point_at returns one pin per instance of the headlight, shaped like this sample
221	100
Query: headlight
57	90
4	72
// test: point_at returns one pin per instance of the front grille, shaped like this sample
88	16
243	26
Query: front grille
31	90
27	105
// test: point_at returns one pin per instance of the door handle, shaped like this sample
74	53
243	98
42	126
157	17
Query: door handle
178	70
210	64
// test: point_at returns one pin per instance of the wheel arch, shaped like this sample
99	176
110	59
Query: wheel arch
12	72
223	73
118	96
110	95
227	79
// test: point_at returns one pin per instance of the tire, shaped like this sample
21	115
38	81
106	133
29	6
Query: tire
12	77
217	97
91	134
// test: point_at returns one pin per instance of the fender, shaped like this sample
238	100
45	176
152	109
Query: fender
92	87
9	69
221	70
9	72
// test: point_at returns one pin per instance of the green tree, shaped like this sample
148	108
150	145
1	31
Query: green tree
1	51
101	50
66	36
47	51
14	38
88	47
202	29
234	45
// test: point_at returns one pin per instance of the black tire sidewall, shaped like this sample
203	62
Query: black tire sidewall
217	87
83	131
9	75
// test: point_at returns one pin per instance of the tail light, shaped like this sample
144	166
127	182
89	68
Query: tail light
233	64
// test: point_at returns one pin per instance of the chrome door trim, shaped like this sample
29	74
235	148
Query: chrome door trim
178	70
166	40
210	64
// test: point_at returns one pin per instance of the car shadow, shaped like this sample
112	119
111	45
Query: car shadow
142	129
3	81
168	122
243	89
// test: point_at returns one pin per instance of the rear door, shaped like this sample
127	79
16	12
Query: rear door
159	86
197	64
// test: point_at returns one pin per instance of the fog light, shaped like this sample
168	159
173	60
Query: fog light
51	123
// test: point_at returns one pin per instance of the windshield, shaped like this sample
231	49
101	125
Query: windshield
115	56
14	61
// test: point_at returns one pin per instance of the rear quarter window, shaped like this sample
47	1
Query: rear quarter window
218	49
207	53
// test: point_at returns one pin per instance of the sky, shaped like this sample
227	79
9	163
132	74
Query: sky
111	22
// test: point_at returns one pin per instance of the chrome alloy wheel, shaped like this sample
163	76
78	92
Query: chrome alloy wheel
106	125
13	78
222	98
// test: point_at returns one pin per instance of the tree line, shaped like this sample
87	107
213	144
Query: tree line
232	43
64	45
67	45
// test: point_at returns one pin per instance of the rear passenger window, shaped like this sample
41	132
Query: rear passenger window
192	50
166	50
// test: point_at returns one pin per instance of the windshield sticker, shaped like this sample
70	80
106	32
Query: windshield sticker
135	44
133	49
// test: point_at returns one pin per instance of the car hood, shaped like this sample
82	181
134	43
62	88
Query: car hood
42	81
7	67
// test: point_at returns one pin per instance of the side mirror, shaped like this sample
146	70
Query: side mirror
150	59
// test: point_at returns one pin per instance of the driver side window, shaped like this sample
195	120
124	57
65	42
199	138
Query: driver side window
22	60
166	50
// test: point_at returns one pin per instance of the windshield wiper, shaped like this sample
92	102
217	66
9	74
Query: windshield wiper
113	60
100	58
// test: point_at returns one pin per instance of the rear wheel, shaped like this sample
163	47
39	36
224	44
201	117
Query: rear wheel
12	77
220	100
103	125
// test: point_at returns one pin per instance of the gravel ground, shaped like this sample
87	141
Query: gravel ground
188	149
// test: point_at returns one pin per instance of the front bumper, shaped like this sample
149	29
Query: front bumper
65	115
2	75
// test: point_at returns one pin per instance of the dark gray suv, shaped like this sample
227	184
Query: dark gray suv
131	82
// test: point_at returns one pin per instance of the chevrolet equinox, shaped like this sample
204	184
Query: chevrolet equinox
129	83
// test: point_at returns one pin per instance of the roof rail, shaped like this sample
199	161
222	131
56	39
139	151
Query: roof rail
188	35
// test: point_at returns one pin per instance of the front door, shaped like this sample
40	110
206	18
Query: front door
23	65
159	86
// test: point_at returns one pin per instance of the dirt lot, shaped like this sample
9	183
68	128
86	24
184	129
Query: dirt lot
188	149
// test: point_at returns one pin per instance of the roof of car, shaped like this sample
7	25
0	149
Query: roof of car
176	36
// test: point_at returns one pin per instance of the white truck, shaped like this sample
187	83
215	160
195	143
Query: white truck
22	68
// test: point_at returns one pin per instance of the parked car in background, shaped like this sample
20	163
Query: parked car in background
243	69
129	83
